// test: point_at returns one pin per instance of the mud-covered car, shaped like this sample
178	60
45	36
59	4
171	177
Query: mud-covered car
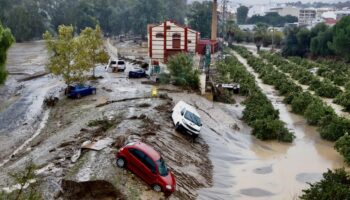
186	118
79	91
137	73
148	164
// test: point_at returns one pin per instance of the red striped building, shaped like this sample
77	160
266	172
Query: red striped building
170	38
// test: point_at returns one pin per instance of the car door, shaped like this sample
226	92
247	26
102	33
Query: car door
137	163
151	171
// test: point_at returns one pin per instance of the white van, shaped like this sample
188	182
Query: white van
186	118
116	65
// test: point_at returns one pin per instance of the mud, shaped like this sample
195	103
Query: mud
137	117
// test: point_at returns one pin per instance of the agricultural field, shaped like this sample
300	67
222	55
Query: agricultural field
284	76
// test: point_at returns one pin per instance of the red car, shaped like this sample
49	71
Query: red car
147	163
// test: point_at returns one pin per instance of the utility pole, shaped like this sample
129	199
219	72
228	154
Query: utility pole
214	20
224	17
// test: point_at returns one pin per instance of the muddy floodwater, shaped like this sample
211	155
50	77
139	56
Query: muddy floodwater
243	167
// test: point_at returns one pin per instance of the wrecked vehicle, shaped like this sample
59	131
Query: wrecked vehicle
79	91
137	72
186	118
116	65
148	164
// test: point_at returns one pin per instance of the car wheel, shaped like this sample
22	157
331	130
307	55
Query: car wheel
121	162
157	188
177	126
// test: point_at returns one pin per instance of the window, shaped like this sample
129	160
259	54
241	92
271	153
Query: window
189	41
168	27
176	35
193	118
150	164
137	153
159	35
163	170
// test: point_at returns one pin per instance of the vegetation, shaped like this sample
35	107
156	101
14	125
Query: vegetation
334	185
28	19
341	38
182	72
28	184
71	57
320	41
343	147
200	17
6	39
259	112
272	19
331	127
242	14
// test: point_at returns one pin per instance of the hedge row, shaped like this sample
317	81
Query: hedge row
259	112
331	126
323	88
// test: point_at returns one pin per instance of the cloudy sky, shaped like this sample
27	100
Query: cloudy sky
251	2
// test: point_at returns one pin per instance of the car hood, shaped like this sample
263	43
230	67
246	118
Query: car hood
193	125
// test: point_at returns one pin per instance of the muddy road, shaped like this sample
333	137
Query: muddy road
225	162
21	101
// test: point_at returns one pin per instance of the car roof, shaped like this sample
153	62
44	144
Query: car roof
147	149
188	107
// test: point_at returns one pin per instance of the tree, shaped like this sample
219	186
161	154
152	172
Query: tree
273	19
341	38
320	45
6	39
242	14
334	185
260	31
71	57
343	147
182	72
200	17
93	49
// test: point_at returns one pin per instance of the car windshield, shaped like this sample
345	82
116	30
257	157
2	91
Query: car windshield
113	62
121	63
193	118
162	168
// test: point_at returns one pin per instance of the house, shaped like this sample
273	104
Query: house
169	38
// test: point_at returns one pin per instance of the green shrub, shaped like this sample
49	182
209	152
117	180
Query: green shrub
327	89
316	111
334	185
164	78
181	69
343	99
343	147
334	127
301	101
268	129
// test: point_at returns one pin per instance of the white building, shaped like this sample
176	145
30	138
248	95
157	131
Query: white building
284	11
342	13
307	16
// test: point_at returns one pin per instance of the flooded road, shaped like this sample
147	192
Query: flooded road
21	102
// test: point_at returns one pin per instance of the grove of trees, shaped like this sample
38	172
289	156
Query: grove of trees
6	39
28	19
319	41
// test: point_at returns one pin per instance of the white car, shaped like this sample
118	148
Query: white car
186	118
121	65
116	65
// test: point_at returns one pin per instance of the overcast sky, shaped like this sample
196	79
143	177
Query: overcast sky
251	2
